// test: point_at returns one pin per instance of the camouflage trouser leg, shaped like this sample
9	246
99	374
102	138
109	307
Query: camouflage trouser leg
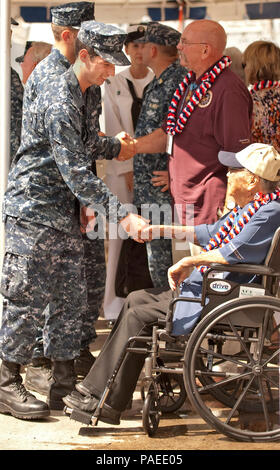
159	259
95	273
41	265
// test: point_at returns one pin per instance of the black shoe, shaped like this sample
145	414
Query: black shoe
63	383
84	362
88	404
15	399
82	389
38	376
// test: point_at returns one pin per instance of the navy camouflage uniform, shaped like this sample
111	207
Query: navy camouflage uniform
16	113
16	110
155	106
43	263
54	65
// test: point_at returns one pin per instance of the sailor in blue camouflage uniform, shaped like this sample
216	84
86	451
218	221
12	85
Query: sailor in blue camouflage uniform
66	19
43	262
16	109
168	73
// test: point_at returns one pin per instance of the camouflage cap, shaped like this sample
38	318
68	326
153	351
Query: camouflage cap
135	32
161	34
72	14
20	59
106	40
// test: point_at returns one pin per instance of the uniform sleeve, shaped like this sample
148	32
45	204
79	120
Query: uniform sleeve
253	242
65	136
96	146
16	114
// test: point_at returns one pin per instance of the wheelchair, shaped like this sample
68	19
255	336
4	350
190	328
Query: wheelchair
231	356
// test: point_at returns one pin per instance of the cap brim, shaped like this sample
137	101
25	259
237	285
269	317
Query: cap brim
14	22
134	37
141	40
119	58
229	159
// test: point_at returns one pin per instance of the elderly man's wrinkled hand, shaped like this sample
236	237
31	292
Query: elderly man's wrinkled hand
179	272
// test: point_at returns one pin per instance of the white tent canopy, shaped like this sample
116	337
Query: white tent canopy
126	11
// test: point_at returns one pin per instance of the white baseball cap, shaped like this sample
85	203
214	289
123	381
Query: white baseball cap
261	159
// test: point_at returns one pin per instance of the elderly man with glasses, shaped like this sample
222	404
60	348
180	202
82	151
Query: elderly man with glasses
210	111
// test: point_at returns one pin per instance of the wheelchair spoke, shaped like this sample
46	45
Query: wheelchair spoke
242	342
261	389
239	400
265	327
275	354
271	400
222	382
224	357
269	379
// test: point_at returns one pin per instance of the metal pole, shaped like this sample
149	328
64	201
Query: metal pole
5	99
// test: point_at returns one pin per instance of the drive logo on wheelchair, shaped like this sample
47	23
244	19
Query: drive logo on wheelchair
220	286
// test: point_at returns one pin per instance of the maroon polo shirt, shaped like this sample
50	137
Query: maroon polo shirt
222	121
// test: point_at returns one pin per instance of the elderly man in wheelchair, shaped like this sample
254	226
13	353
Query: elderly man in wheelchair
222	329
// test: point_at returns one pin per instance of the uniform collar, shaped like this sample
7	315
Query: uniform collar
165	74
74	87
59	57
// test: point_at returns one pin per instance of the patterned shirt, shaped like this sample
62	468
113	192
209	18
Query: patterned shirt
53	168
153	112
266	117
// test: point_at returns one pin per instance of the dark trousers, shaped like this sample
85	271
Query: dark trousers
141	311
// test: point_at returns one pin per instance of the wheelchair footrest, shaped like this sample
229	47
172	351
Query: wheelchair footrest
78	415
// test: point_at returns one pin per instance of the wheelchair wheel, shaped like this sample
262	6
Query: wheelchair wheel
226	357
172	392
226	393
151	412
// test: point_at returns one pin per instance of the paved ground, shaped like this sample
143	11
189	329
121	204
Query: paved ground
183	430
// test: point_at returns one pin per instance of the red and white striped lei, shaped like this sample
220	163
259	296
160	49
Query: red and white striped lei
176	126
230	230
263	84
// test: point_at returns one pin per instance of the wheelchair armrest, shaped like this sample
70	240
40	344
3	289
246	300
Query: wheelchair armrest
237	268
242	268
